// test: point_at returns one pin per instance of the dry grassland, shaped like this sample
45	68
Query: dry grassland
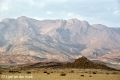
61	74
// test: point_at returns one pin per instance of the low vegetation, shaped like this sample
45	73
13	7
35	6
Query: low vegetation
82	75
45	72
28	72
94	72
13	71
48	73
63	74
68	74
70	71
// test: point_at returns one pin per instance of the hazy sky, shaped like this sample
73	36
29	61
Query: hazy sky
105	12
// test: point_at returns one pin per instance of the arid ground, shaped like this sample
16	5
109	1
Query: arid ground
60	74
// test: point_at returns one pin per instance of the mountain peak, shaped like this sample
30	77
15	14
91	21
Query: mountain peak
22	18
83	57
74	20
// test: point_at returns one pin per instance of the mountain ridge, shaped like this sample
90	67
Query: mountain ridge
57	39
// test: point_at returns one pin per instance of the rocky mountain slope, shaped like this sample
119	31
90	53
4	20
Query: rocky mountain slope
57	39
84	63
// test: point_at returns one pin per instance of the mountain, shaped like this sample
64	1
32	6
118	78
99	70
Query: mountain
19	59
61	40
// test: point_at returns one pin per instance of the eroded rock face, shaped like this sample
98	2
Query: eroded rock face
57	39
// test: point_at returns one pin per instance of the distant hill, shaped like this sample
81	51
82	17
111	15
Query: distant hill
81	63
61	40
84	63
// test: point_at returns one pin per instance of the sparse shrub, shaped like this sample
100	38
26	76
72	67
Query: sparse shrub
19	72
13	71
0	72
48	73
94	72
10	71
107	73
90	76
82	75
114	73
72	71
45	72
28	72
63	74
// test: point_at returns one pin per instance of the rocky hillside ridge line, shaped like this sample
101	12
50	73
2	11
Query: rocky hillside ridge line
84	63
58	39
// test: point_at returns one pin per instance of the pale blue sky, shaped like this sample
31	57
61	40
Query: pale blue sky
106	12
